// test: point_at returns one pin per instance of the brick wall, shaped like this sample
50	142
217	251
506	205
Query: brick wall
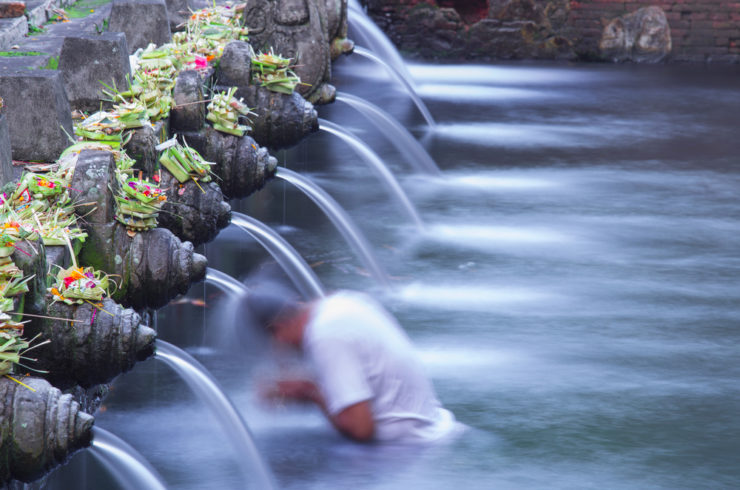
701	30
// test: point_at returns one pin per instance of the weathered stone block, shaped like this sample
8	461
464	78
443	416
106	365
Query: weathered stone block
641	36
58	257
179	11
143	22
234	67
193	211
296	29
30	257
242	167
87	60
281	120
153	266
41	428
93	346
94	173
37	11
11	8
6	156
38	113
189	111
142	148
12	30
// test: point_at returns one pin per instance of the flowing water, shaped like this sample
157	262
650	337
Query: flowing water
126	465
208	390
377	165
402	79
397	135
575	293
297	269
226	283
344	224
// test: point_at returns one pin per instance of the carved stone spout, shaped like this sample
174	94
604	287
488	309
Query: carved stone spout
97	343
336	23
281	120
152	266
242	166
295	29
39	428
193	212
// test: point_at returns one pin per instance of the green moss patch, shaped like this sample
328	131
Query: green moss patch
84	8
52	64
16	54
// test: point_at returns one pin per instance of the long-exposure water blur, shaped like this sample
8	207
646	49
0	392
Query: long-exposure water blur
574	291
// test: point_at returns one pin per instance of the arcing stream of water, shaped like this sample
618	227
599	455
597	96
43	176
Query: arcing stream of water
377	165
341	220
254	469
397	135
300	273
574	295
128	467
403	80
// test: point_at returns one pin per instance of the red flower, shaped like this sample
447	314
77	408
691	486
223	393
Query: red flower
201	61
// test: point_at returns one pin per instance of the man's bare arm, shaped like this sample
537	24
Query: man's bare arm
355	421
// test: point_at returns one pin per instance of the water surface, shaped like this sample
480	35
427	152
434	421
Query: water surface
575	294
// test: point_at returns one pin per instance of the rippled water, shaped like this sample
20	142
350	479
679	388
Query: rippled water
575	295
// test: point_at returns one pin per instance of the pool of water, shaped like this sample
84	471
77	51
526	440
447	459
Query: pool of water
575	293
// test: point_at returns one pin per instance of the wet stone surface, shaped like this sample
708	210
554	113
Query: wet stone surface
96	345
6	157
93	175
241	165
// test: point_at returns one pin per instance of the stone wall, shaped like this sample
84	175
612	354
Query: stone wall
701	30
697	30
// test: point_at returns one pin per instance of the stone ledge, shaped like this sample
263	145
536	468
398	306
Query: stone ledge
11	31
10	9
37	11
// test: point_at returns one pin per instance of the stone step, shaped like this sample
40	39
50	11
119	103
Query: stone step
38	11
12	31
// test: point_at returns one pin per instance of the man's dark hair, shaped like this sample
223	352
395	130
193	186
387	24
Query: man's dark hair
269	299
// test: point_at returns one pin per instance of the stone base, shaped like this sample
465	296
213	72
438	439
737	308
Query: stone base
89	59
6	156
189	111
179	12
11	30
143	22
94	174
36	104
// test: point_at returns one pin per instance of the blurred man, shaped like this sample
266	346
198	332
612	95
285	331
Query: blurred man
369	381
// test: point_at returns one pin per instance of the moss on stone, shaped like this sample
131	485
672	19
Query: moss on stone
84	8
18	54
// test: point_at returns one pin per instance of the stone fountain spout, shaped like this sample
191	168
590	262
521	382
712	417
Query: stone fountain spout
302	30
195	212
281	120
242	166
40	428
95	344
152	266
